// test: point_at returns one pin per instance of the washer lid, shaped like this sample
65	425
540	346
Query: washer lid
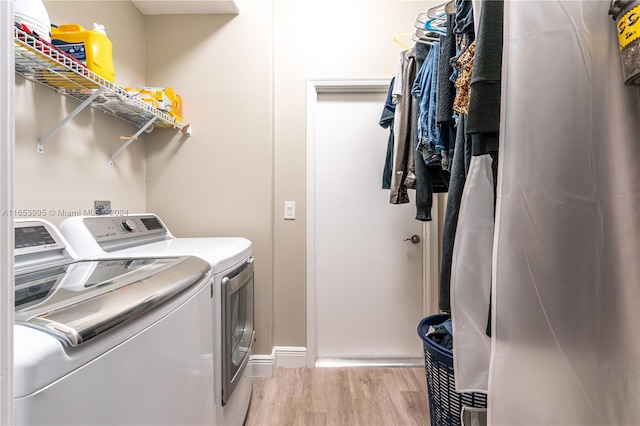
222	253
84	299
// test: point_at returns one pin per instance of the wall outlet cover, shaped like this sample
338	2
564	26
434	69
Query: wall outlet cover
102	207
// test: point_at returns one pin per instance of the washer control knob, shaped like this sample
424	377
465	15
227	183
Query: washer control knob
129	225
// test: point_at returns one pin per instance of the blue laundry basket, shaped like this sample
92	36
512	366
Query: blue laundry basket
445	404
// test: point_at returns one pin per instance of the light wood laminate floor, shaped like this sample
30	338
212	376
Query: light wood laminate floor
340	397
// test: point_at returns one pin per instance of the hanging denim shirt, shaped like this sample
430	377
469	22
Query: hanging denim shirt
432	129
424	90
417	91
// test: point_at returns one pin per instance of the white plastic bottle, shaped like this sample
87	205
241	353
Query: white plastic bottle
34	15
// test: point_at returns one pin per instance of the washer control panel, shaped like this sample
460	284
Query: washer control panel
129	225
33	236
109	228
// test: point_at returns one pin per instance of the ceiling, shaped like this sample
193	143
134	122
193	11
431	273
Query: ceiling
191	7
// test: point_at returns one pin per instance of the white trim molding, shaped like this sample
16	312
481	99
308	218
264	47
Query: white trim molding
347	85
281	356
374	362
7	136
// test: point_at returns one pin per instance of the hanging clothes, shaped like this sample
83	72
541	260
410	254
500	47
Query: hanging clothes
484	94
386	122
403	176
471	257
446	95
462	65
464	17
422	153
424	90
463	82
459	171
430	177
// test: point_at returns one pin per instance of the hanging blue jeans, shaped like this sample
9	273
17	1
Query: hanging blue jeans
425	91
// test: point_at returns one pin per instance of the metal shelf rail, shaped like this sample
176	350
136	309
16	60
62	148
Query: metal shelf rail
37	61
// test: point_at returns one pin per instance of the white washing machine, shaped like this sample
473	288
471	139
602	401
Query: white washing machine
231	262
118	342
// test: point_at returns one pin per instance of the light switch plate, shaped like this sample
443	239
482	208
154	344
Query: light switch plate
290	210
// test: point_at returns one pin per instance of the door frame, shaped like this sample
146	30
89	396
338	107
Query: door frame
430	230
7	136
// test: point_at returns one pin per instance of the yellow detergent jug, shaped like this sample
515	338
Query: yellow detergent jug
92	47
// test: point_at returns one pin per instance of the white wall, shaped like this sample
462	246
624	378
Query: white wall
319	39
219	182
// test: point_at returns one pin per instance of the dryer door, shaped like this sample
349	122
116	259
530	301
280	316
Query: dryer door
237	326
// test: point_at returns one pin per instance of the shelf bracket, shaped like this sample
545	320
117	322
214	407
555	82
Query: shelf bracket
83	105
131	139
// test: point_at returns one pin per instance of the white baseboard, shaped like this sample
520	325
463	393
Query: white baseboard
291	356
281	356
263	365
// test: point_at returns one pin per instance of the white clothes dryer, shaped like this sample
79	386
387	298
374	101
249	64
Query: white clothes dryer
119	342
231	262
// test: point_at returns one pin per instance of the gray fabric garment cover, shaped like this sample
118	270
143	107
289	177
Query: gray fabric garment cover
567	243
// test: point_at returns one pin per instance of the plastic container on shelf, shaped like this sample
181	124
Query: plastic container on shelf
144	95
626	13
91	47
34	15
174	104
445	404
163	98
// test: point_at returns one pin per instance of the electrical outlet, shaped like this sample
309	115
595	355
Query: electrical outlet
102	207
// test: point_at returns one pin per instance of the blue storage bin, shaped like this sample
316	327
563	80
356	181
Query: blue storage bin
445	404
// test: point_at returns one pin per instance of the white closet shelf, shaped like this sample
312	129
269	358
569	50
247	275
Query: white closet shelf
185	7
37	61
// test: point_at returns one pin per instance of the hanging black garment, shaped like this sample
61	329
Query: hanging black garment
459	171
386	121
446	87
484	103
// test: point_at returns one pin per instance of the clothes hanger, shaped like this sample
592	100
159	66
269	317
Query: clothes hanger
417	39
397	41
450	8
438	11
424	37
422	18
436	26
426	34
432	25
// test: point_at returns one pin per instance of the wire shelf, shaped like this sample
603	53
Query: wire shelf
37	61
